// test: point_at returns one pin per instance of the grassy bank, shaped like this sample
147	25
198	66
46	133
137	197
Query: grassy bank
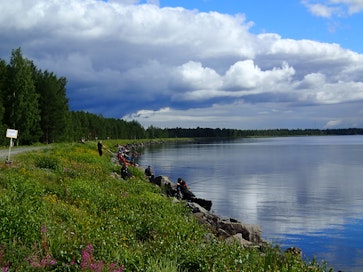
63	209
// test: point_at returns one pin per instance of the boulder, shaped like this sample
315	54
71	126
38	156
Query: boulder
238	238
226	228
250	232
165	181
230	230
171	190
196	208
206	204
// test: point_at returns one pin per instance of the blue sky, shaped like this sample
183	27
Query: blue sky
247	64
291	19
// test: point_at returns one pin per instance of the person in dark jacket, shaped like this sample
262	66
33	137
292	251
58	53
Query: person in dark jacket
149	172
183	189
125	174
100	147
181	185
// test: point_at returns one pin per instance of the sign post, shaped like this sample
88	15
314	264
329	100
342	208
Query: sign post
12	134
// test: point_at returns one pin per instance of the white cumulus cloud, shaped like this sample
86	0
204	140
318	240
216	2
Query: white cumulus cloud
156	65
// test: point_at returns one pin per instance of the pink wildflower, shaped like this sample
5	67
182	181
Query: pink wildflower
44	229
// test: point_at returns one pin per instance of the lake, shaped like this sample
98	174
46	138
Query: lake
305	192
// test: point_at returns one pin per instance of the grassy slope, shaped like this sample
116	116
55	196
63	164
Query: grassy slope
62	209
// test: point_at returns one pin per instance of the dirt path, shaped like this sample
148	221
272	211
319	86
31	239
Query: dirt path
4	153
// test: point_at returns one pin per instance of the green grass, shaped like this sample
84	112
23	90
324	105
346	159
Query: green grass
61	209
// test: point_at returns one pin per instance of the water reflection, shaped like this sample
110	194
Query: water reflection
303	191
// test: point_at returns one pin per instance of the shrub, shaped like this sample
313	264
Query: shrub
47	162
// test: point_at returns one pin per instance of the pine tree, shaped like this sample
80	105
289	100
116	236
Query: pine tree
22	107
53	106
3	77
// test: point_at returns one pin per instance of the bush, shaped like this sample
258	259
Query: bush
47	162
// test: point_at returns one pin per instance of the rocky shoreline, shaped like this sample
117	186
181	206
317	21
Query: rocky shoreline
227	229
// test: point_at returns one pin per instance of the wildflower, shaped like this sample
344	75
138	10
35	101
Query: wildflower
44	229
5	269
87	256
90	264
43	263
89	248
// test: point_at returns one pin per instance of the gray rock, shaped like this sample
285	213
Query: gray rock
230	230
238	238
250	232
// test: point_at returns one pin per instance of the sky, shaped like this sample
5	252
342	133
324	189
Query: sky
240	64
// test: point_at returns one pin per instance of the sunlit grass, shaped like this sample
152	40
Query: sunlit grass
62	209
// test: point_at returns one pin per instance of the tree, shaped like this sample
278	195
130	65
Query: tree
53	106
22	107
3	77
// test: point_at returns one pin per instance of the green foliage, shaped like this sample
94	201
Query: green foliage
46	162
163	264
62	209
35	103
22	99
91	126
3	79
53	105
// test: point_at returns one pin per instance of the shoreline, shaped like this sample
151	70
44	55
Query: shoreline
229	230
217	224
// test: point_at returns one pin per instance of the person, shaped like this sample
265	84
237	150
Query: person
100	147
183	190
149	172
181	184
121	159
125	174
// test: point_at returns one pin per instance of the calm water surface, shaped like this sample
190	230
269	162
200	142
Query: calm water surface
303	191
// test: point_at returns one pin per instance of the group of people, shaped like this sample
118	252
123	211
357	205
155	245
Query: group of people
182	190
125	153
123	156
125	159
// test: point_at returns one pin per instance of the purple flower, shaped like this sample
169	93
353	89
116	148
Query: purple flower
44	229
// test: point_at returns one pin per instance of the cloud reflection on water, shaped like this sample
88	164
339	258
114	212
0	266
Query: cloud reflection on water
302	191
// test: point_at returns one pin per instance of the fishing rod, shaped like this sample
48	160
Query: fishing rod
110	151
196	181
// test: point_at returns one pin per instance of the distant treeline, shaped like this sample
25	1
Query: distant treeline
34	102
227	133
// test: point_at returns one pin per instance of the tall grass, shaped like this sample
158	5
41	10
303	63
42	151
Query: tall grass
64	209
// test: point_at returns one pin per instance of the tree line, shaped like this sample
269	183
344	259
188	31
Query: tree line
237	133
35	103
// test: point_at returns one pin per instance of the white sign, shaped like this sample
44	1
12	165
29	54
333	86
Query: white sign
11	133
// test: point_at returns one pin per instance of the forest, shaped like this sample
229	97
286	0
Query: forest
35	103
